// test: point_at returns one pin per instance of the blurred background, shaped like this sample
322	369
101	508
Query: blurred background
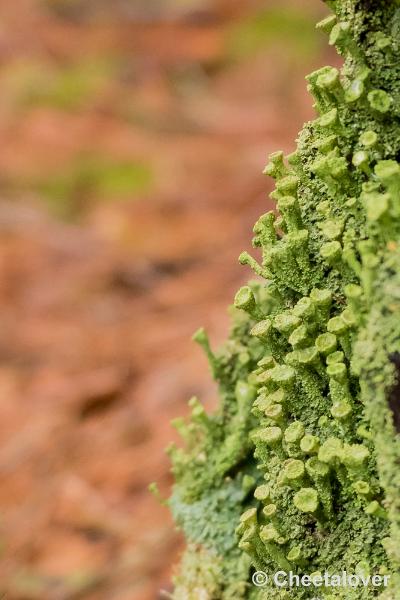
133	136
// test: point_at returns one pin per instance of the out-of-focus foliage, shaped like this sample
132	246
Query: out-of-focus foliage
291	28
69	87
90	179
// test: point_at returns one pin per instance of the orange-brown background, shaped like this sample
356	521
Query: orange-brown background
133	136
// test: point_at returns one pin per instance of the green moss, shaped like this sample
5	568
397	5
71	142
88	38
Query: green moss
317	431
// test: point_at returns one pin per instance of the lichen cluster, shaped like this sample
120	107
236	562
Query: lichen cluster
298	468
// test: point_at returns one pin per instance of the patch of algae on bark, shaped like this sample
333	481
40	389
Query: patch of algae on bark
298	469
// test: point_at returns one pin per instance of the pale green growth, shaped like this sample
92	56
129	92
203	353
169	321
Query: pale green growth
382	41
316	469
349	318
261	402
326	343
351	203
262	493
198	411
329	120
271	436
310	444
294	432
335	357
380	100
364	432
376	204
201	338
300	337
323	208
249	517
278	397
279	226
331	252
315	576
283	375
246	259
295	555
247	526
298	243
339	327
286	323
275	167
269	511
319	474
245	300
355	455
355	90
290	210
329	79
293	471
268	533
270	536
244	393
266	363
361	160
323	421
288	185
308	356
362	488
264	378
265	231
322	356
331	229
304	309
293	160
362	568
182	428
340	36
341	410
292	359
331	451
325	145
246	547
262	330
248	532
336	326
332	169
322	299
274	412
306	500
337	371
388	171
327	23
374	508
339	389
369	139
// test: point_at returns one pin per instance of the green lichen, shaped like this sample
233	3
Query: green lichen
297	470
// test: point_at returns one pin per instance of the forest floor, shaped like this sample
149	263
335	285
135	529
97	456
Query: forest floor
133	140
